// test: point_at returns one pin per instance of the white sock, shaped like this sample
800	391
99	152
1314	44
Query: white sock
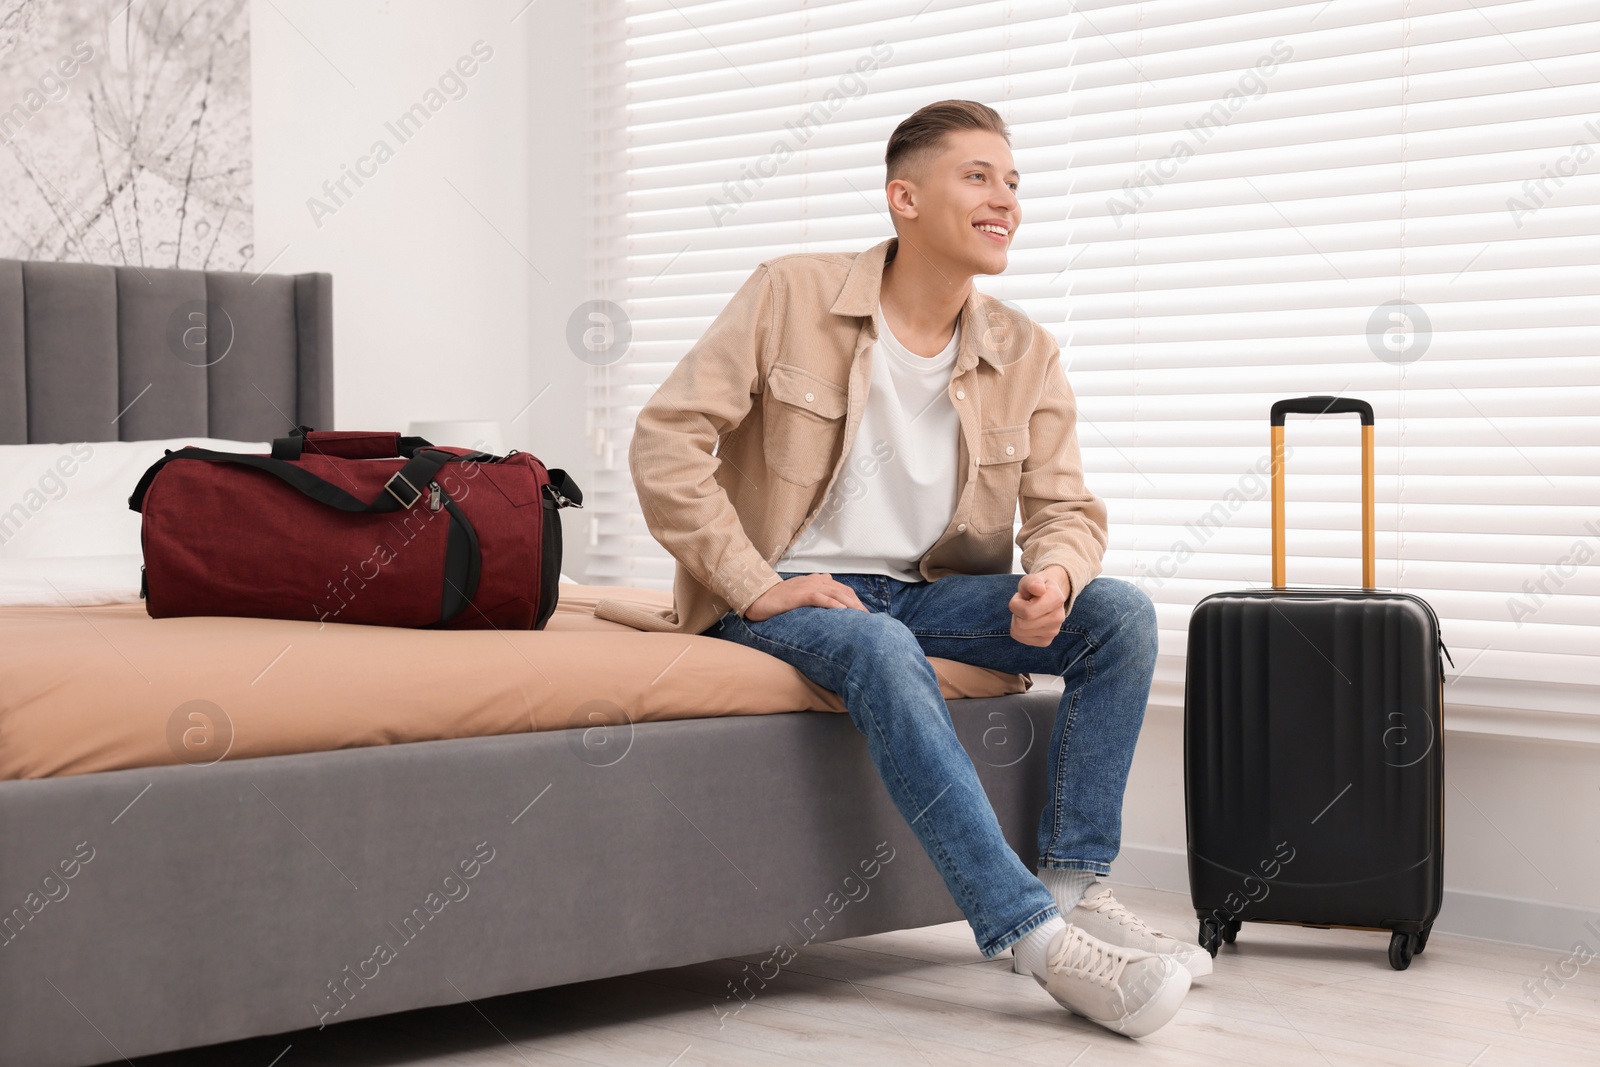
1031	947
1066	886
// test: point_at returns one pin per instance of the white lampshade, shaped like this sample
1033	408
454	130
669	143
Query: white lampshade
481	434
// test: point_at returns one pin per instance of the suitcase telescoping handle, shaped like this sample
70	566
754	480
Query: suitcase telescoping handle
1325	405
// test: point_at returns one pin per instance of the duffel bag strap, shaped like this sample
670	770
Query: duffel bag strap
403	489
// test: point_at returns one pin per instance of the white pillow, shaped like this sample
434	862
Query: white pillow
76	580
72	499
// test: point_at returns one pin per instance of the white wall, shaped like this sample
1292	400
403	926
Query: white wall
452	265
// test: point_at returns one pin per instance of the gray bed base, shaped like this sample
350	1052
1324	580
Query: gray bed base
208	904
175	907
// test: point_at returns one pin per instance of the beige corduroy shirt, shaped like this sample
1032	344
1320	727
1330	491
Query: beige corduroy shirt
734	454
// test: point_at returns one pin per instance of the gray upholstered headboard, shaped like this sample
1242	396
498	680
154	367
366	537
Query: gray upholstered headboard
99	353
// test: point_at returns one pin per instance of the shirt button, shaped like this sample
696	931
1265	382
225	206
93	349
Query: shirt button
961	394
810	397
1009	450
960	527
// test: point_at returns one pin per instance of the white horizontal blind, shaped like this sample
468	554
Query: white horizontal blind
745	130
1252	185
1219	199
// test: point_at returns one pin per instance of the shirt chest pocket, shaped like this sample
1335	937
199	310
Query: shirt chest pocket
802	420
999	477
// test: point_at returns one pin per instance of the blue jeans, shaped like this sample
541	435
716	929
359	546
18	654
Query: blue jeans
876	661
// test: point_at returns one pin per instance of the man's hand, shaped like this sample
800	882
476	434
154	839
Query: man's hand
1038	609
818	590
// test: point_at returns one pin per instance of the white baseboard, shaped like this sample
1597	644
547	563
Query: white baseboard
1539	923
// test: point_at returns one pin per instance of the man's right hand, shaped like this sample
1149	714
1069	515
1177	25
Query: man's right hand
816	590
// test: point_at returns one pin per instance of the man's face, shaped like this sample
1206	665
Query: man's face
971	183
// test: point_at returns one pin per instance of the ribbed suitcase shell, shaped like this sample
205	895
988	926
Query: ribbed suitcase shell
1314	761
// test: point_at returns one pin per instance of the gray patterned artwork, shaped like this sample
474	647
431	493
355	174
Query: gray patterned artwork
125	132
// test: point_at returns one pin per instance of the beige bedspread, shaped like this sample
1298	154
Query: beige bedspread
101	688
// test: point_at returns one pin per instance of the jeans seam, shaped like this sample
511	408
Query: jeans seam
963	635
974	634
1066	741
1091	866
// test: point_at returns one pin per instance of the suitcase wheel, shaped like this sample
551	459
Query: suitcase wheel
1230	930
1210	935
1402	947
1422	941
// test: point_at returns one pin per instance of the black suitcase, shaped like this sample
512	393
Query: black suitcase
1314	746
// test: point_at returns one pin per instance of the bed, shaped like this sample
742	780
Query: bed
219	828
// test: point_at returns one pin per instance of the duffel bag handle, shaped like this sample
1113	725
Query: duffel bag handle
346	444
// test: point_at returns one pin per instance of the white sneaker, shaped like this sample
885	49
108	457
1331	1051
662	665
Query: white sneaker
1101	915
1128	991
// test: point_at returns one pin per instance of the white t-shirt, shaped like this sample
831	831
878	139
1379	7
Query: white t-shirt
897	490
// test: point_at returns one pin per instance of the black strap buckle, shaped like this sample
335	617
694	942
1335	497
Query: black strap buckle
553	494
388	487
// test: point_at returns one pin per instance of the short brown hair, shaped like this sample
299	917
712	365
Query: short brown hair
920	137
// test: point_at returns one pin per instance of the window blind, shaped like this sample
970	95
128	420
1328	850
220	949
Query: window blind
1375	198
1225	202
735	131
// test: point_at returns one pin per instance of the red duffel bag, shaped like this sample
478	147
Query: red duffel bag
354	527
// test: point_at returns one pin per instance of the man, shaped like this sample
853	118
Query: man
876	421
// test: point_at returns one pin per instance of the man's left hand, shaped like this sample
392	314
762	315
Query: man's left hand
1038	610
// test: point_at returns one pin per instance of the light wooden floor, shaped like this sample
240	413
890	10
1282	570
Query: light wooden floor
1280	996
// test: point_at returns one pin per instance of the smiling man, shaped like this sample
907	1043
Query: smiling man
836	466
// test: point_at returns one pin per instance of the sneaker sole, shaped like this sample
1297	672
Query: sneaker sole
1156	1014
